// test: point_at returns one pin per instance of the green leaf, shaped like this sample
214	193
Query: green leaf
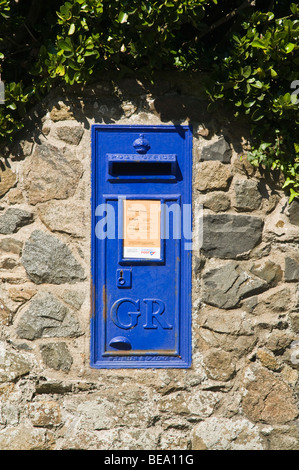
264	146
261	97
257	84
65	45
123	17
246	71
287	183
257	115
248	102
258	43
293	194
72	29
60	70
12	106
289	47
65	13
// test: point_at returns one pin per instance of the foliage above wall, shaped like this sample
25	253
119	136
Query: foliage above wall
247	49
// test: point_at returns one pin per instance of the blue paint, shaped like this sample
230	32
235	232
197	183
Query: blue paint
124	278
141	307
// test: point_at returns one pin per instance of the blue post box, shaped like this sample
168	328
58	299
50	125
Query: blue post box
141	246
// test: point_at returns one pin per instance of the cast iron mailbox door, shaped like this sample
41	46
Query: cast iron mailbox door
141	246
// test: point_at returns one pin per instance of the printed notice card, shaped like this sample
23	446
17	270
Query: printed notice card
142	229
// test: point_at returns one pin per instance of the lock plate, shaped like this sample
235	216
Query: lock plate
123	278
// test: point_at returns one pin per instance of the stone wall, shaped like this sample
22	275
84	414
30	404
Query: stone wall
241	390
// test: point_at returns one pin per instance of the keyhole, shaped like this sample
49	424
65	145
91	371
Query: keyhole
121	280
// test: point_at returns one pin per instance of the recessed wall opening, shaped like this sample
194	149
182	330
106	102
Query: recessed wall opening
140	168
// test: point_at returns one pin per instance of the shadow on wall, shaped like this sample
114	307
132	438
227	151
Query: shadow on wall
174	98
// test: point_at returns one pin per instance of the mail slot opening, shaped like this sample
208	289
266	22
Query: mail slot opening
136	167
141	168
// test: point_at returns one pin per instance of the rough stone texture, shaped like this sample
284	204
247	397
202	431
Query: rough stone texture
53	387
200	405
279	341
289	375
267	399
219	365
225	434
47	317
236	343
268	271
294	212
229	235
15	196
8	179
217	202
233	323
283	437
278	225
241	391
12	364
9	414
219	150
292	268
73	298
51	174
59	216
47	259
296	304
270	307
212	175
23	437
241	166
13	219
22	148
21	293
45	414
8	263
56	356
10	245
227	285
268	360
70	134
116	409
61	112
247	195
5	313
